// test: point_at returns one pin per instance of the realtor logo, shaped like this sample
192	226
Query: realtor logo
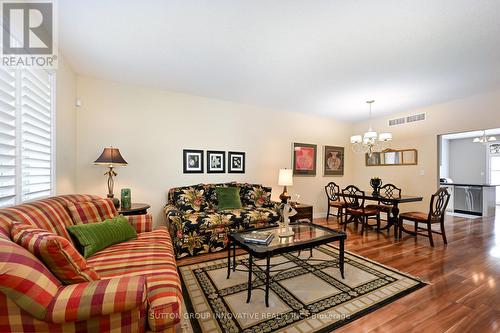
28	34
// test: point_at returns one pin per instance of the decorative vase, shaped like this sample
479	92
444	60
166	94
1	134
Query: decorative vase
376	183
126	198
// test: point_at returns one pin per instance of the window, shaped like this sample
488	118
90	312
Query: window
26	135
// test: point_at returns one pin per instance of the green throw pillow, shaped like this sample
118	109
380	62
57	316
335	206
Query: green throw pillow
93	237
228	198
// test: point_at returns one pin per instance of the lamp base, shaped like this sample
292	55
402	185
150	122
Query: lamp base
284	196
116	202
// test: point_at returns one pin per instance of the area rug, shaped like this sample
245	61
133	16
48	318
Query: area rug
308	297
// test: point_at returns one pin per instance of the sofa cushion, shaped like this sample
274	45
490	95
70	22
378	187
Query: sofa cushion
151	254
228	198
92	211
255	195
56	252
48	214
93	237
25	280
190	198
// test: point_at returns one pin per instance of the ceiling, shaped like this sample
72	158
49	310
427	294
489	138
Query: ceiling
323	57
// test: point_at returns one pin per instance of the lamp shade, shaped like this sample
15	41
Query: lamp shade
111	157
285	177
385	137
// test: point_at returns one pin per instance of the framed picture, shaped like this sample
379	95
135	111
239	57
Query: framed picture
304	159
192	161
236	162
216	161
333	161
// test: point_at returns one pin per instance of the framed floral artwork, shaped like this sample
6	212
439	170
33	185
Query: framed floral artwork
333	161
304	159
216	161
236	162
192	161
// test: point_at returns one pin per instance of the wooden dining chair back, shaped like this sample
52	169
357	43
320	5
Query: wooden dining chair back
436	214
439	202
354	200
333	195
386	192
389	191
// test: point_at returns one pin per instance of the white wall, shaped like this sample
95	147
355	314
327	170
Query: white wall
472	113
65	128
467	161
152	127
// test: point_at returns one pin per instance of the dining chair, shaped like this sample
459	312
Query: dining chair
388	191
332	193
437	209
354	200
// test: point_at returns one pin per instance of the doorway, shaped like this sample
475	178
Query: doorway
494	167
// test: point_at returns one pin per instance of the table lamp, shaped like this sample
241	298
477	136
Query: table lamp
285	179
111	158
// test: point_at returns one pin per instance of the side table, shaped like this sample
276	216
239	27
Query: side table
303	212
135	209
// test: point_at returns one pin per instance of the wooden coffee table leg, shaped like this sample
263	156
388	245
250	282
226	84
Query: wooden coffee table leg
249	288
341	258
268	264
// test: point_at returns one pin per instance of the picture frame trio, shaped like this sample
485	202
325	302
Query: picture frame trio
194	162
305	156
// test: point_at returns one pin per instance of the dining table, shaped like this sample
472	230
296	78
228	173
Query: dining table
392	200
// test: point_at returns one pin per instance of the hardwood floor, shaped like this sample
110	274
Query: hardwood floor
464	276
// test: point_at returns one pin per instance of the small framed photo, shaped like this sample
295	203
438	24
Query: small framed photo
192	161
304	159
216	161
333	161
236	162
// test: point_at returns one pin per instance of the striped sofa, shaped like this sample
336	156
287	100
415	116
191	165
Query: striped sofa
138	290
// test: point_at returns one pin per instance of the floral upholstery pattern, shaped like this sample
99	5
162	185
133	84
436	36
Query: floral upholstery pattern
205	230
190	199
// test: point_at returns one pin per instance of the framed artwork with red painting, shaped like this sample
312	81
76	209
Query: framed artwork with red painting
304	159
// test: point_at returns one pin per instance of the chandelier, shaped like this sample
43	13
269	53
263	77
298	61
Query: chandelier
484	138
370	141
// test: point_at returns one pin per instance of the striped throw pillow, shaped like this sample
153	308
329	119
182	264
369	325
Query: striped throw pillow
92	211
56	252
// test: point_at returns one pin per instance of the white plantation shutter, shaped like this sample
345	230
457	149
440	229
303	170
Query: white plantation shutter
36	134
7	137
26	135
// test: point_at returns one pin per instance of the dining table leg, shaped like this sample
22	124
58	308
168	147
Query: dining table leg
394	219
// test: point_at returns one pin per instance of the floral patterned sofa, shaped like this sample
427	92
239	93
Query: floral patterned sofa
196	226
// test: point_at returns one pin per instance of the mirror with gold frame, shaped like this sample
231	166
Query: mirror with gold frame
391	157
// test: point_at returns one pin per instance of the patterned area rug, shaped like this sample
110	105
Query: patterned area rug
308	297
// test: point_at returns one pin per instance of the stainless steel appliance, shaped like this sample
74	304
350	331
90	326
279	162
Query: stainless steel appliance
468	200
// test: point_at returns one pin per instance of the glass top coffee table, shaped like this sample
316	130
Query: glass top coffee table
307	236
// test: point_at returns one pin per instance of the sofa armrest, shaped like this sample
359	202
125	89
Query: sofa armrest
174	219
141	223
277	206
164	294
83	301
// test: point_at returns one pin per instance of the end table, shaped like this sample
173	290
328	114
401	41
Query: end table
135	209
303	212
